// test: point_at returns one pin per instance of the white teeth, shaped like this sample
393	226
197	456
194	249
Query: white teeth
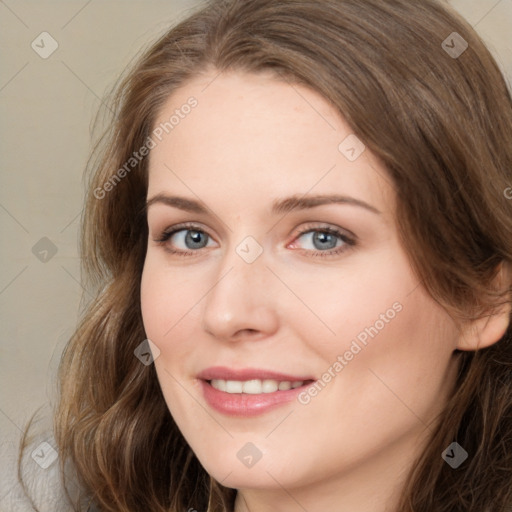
233	386
219	384
252	387
255	386
269	386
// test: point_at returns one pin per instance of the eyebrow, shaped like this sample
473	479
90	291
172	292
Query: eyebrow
297	202
279	207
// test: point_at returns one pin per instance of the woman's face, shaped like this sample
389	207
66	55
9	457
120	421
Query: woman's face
288	271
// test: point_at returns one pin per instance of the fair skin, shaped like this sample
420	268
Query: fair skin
250	141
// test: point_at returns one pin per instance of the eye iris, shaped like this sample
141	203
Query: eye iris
193	239
323	240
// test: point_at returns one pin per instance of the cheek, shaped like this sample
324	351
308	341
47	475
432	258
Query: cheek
387	341
167	300
153	302
171	313
360	300
393	365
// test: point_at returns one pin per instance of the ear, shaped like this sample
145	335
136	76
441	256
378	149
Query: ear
489	329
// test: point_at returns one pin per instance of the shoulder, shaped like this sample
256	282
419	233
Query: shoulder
41	474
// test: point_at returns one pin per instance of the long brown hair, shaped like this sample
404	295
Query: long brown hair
442	126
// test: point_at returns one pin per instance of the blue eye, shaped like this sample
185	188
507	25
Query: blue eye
324	241
191	239
184	240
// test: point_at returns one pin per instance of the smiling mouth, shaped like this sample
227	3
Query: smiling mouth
256	386
249	392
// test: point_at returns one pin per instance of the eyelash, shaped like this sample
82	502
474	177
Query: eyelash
348	241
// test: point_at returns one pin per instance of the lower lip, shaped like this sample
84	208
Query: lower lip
244	404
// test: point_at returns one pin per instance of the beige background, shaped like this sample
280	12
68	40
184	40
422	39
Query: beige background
46	107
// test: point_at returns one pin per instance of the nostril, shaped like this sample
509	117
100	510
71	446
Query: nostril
246	333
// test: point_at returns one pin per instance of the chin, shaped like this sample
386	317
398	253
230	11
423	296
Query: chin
266	473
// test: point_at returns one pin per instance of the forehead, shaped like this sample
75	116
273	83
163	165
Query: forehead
251	134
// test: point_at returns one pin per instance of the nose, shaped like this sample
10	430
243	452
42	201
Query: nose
242	302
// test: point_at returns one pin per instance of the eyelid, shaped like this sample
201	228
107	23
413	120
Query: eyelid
191	226
324	226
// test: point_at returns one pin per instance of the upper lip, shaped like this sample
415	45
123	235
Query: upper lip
243	374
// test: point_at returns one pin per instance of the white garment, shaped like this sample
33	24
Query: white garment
41	475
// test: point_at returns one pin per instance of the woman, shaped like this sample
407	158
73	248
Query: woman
300	237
